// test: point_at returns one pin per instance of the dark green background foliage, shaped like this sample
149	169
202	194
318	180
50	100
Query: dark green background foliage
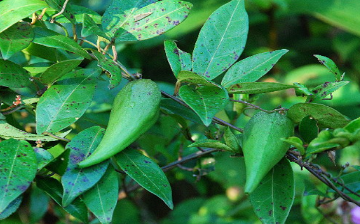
296	58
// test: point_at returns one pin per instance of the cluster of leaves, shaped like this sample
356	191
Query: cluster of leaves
63	82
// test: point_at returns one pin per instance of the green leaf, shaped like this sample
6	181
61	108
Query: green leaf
111	67
351	180
211	143
91	28
102	198
353	125
77	180
43	157
231	140
53	39
53	188
39	202
325	116
58	6
179	60
13	75
172	107
321	143
221	40
15	39
146	173
79	15
257	87
18	169
40	51
308	128
330	64
11	208
296	142
206	101
252	68
56	71
274	197
14	10
191	77
64	103
302	90
8	131
322	91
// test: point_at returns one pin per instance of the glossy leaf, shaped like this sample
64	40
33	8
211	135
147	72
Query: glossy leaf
39	202
322	91
111	68
51	54
172	107
296	142
353	125
221	40
206	101
252	68
79	15
11	208
324	115
274	197
58	6
53	39
321	143
15	39
257	87
13	75
64	103
146	173
231	140
56	71
77	180
179	60
43	157
91	28
191	77
211	143
330	64
308	128
8	131
18	168
14	10
53	188
302	90
102	198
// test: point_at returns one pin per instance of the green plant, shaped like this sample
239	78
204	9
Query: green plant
51	80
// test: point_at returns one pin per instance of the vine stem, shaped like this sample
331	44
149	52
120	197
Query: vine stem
257	107
61	11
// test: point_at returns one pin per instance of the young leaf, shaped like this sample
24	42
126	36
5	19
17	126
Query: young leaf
274	197
330	64
321	143
252	68
211	143
221	40
77	180
146	173
56	71
231	140
308	128
179	60
109	66
53	39
91	28
325	116
257	87
13	75
53	188
58	6
323	90
15	39
11	208
206	101
102	198
8	131
153	20
14	10
191	77
353	125
296	142
18	165
64	103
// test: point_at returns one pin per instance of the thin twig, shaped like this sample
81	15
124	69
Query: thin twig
59	13
253	106
57	137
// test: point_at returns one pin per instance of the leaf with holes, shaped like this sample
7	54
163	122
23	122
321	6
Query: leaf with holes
179	60
102	198
13	75
273	198
56	71
257	87
77	180
146	173
322	91
18	168
64	103
330	64
221	40
53	39
14	10
206	101
15	39
252	68
153	20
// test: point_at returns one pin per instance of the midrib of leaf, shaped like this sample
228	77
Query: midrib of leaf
222	38
77	176
204	104
272	192
146	175
100	198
